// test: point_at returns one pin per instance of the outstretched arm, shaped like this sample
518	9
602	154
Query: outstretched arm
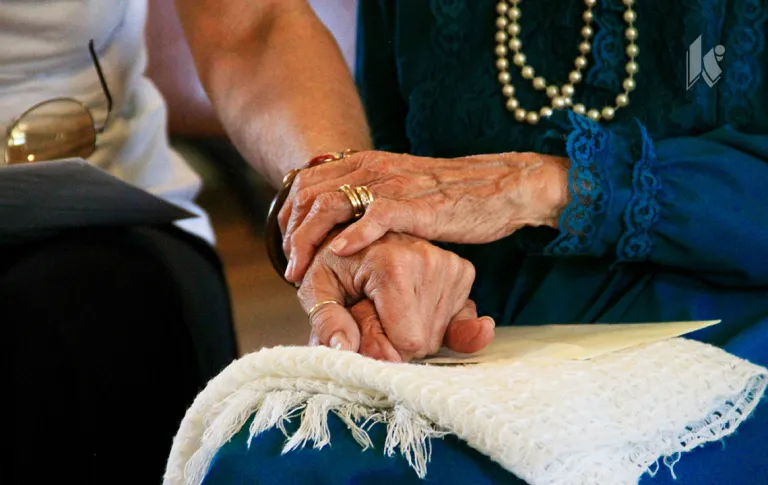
277	79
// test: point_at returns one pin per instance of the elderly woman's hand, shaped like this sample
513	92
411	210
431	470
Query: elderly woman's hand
465	200
401	298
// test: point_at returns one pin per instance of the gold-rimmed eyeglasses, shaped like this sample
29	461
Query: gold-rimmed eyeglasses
57	128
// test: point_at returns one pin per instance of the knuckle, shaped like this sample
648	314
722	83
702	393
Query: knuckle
412	344
323	202
304	198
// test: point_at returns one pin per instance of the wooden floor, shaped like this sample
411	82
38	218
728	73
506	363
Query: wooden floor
265	308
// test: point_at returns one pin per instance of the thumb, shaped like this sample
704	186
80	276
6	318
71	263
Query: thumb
468	334
322	298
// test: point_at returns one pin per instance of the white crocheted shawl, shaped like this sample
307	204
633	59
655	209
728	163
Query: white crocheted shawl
607	420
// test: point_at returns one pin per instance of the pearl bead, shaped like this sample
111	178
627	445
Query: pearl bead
558	102
513	13
586	31
539	83
568	101
512	104
501	37
519	59
608	113
579	109
628	3
629	84
515	44
587	16
532	117
528	72
502	64
520	114
630	16
501	22
513	29
622	100
581	62
504	77
633	50
594	115
501	50
590	3
552	91
501	8
508	90
585	47
631	33
568	90
574	77
632	67
545	112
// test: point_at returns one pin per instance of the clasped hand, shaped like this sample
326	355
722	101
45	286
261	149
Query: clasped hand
404	297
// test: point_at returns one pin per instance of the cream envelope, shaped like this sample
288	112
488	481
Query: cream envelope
573	342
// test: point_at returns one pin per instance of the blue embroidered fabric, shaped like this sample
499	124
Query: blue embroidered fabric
668	218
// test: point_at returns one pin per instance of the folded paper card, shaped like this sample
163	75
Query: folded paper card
44	197
574	342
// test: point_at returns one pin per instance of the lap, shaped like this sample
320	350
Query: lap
738	460
112	332
66	280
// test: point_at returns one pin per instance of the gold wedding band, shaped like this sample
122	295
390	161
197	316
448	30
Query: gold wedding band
318	306
357	205
365	195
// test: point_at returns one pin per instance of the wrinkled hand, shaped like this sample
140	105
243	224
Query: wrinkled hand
466	200
406	299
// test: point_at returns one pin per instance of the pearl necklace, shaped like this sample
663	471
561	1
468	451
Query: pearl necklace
507	39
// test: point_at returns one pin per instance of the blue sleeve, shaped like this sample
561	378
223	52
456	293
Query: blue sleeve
376	76
698	204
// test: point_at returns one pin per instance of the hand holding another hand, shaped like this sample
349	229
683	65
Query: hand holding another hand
405	297
470	200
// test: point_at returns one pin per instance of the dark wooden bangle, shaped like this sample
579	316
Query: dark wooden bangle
274	237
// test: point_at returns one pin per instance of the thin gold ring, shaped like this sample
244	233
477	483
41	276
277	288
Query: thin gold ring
365	195
357	205
320	305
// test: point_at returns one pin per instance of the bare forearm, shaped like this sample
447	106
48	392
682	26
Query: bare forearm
279	84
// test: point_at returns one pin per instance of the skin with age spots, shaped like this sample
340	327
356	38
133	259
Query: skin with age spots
471	200
429	286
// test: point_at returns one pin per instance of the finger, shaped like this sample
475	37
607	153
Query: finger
468	334
329	210
325	192
314	176
334	325
381	217
400	311
373	341
314	341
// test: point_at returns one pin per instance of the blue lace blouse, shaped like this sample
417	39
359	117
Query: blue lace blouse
669	211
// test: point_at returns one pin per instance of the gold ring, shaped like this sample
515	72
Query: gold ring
365	195
357	205
320	305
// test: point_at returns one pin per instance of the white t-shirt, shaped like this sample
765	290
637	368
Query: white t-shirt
44	55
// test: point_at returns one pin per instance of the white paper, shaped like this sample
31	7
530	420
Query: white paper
43	197
573	342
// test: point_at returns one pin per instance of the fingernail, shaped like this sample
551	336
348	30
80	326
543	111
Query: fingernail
493	322
339	341
338	244
289	269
